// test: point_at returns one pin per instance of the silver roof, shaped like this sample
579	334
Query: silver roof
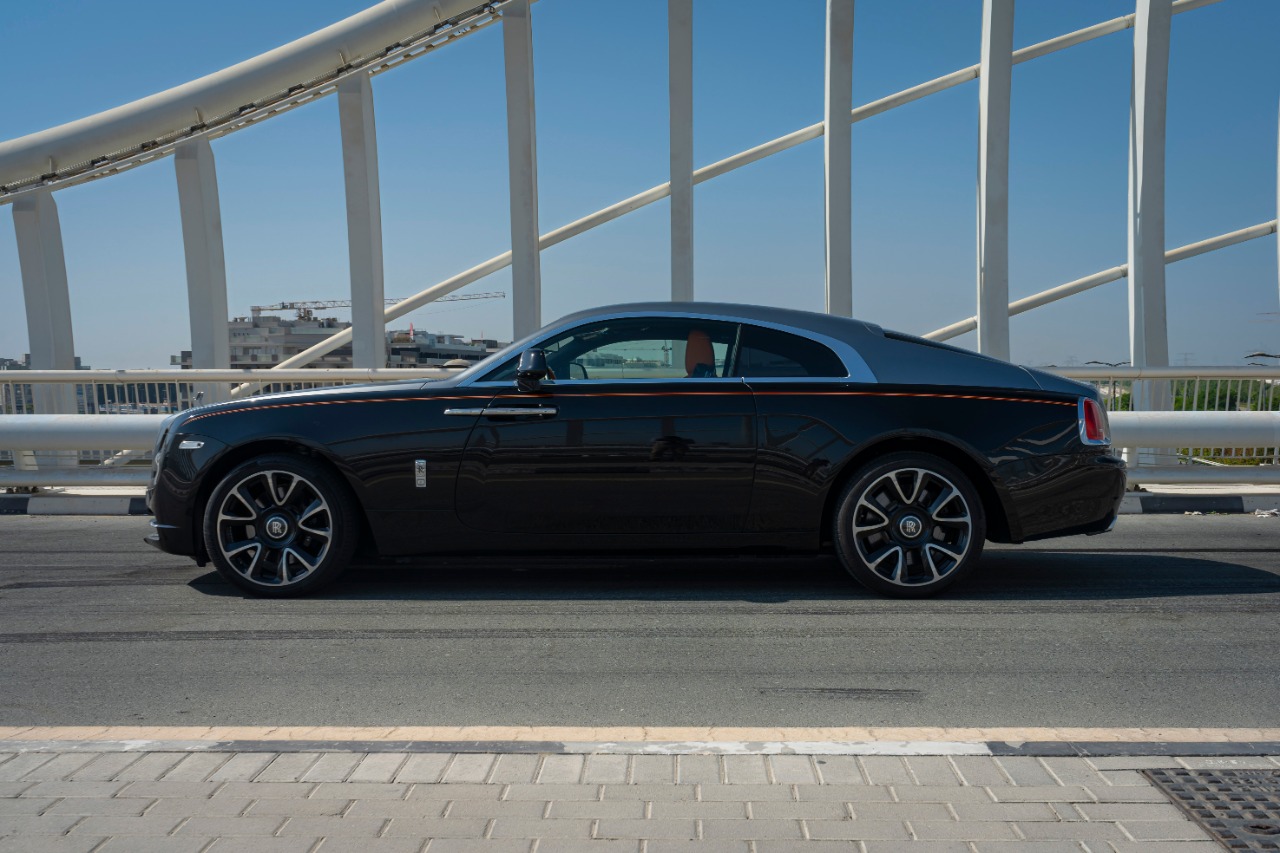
871	354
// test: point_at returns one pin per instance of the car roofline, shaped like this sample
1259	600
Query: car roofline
855	365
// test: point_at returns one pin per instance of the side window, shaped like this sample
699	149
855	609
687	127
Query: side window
769	353
636	348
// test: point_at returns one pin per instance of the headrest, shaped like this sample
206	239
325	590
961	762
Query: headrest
698	351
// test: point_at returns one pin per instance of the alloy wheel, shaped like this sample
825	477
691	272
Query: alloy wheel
912	526
274	527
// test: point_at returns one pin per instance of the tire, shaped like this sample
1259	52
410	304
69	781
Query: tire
280	525
909	525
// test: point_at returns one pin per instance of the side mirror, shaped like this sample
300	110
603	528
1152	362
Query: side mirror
532	370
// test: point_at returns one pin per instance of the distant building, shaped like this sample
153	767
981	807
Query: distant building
424	349
25	364
265	340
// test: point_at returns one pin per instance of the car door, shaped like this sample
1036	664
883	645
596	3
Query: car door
805	405
645	435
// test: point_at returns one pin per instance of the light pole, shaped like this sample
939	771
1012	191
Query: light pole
1112	398
1267	383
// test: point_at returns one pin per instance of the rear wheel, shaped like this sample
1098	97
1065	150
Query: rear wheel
909	525
279	525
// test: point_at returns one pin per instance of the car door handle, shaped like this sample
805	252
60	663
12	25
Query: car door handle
519	411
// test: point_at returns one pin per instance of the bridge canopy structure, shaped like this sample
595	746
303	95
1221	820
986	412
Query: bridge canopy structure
343	59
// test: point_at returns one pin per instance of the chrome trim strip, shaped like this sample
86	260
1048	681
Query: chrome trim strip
158	526
468	412
551	384
807	380
517	411
859	370
190	444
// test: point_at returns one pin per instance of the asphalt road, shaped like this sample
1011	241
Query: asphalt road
1170	620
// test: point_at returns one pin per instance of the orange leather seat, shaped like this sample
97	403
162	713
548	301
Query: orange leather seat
699	357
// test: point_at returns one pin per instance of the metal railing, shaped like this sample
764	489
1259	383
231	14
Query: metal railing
1222	425
116	393
162	392
1193	389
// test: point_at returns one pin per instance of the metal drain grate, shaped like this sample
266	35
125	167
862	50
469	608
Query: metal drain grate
1239	808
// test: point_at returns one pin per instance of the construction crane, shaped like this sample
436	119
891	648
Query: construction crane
306	309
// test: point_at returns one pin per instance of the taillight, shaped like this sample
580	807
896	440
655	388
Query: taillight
1094	428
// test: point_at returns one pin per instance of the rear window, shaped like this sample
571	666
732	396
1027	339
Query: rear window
764	353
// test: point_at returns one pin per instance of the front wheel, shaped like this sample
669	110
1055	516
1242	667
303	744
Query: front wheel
909	525
279	525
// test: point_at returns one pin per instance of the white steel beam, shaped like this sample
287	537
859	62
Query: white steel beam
680	99
1062	291
1148	316
206	264
174	110
45	293
1148	328
994	85
364	221
838	152
522	158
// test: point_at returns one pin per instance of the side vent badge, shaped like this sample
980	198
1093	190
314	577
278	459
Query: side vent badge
420	473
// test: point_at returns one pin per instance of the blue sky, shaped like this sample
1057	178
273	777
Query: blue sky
601	96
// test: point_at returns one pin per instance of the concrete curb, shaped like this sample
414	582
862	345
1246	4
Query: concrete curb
1140	504
72	505
1039	749
618	735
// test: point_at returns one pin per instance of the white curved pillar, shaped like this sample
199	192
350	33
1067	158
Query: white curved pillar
522	159
48	307
838	153
364	222
44	291
1148	326
680	99
201	214
994	88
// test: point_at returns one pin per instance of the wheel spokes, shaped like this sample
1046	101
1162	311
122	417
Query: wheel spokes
313	509
917	479
300	557
940	502
898	565
857	513
278	494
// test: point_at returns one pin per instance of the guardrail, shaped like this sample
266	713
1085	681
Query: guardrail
1232	437
1238	390
90	447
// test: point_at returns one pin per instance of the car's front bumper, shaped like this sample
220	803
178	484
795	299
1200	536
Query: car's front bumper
174	494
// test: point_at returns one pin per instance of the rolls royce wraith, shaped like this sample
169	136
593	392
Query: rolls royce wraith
645	428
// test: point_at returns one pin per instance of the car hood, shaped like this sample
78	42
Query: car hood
313	395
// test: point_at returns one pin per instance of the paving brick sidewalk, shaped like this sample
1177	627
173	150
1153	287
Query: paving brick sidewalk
543	803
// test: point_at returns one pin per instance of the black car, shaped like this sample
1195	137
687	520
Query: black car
642	428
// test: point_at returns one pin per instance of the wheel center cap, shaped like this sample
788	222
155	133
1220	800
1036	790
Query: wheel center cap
277	527
910	526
